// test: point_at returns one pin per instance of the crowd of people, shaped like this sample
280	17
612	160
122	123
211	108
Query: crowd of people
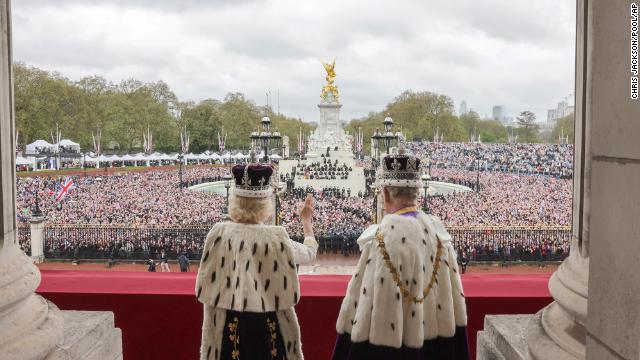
504	199
124	243
132	198
547	159
338	220
536	194
555	249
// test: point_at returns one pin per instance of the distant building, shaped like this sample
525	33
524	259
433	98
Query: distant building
497	112
463	108
562	109
551	116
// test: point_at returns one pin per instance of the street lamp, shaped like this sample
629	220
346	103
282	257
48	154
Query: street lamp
276	141
389	136
375	142
425	180
227	184
36	212
180	157
265	138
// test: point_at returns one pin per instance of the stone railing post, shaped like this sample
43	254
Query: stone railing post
36	225
30	326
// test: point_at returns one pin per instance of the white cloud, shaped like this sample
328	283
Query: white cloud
514	53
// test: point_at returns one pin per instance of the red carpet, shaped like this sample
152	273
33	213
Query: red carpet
160	317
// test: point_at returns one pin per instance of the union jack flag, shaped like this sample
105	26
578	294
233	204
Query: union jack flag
67	185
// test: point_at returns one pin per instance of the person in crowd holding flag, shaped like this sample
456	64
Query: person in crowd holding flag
405	300
65	187
247	278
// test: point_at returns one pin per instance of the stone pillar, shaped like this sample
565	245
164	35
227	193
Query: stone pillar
37	238
613	233
599	275
30	326
558	330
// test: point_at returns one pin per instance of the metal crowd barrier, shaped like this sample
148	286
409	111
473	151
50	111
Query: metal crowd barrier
24	237
67	241
521	243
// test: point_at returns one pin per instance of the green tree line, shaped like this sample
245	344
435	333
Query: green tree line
422	114
123	112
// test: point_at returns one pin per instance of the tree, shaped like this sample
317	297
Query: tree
492	131
124	111
527	127
424	114
564	128
203	124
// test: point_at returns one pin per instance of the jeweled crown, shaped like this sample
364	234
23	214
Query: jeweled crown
252	180
401	168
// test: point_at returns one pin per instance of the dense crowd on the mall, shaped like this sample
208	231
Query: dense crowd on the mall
520	185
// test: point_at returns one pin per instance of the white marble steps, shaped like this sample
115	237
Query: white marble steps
503	338
89	335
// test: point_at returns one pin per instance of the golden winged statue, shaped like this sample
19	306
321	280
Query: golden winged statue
330	87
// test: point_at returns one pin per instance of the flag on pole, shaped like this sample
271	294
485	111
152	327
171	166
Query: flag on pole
300	142
184	140
221	141
67	185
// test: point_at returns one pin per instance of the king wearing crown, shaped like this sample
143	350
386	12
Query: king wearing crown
247	280
405	300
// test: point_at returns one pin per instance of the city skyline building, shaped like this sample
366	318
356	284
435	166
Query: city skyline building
563	109
498	113
463	108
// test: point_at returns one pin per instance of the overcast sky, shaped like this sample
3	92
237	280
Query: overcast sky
515	53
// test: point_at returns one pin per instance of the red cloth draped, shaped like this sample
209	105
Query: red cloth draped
160	317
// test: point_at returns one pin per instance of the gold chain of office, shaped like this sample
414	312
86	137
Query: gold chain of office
396	275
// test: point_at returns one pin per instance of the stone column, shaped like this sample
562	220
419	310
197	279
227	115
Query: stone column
558	330
599	275
613	230
30	326
37	238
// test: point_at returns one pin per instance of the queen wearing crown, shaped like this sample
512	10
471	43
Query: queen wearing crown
247	280
405	300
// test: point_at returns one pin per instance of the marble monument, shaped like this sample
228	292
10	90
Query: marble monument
329	133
